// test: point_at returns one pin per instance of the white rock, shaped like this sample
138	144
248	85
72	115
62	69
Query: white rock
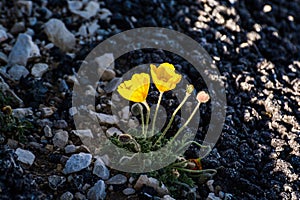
23	49
39	69
77	162
59	35
113	131
47	111
60	139
84	134
67	196
108	119
17	72
101	170
18	27
47	131
92	28
89	11
3	35
25	156
128	191
212	196
151	182
126	113
70	148
167	197
22	112
118	179
73	111
106	61
104	13
26	7
97	192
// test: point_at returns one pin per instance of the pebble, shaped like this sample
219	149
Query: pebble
18	27
107	119
60	139
67	196
89	11
39	69
151	182
108	75
101	170
79	196
212	196
128	191
25	156
3	36
167	197
26	7
118	179
12	143
3	57
97	192
17	72
55	181
60	124
59	35
83	134
113	131
112	85
104	13
73	111
23	49
47	111
70	148
47	131
22	112
77	162
106	61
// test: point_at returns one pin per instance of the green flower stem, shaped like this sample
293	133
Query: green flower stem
148	115
143	121
155	114
199	145
172	118
186	123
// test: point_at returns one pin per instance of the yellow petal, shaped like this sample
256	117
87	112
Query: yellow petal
136	89
164	76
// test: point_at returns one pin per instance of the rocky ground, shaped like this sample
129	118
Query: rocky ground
255	45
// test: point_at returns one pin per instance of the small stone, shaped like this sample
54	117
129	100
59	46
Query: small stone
267	8
79	196
3	36
39	69
126	113
89	11
56	181
108	119
70	148
59	35
151	182
101	170
47	111
112	85
212	196
67	196
73	111
133	123
12	143
113	131
60	124
167	197
210	186
23	49
128	191
118	179
17	72
77	162
3	57
18	28
22	112
26	7
104	13
97	192
25	156
84	135
106	61
48	131
108	75
60	139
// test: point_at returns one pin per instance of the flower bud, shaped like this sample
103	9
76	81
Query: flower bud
202	97
189	89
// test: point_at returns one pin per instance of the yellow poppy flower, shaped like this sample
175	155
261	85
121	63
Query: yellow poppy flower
164	76
136	89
